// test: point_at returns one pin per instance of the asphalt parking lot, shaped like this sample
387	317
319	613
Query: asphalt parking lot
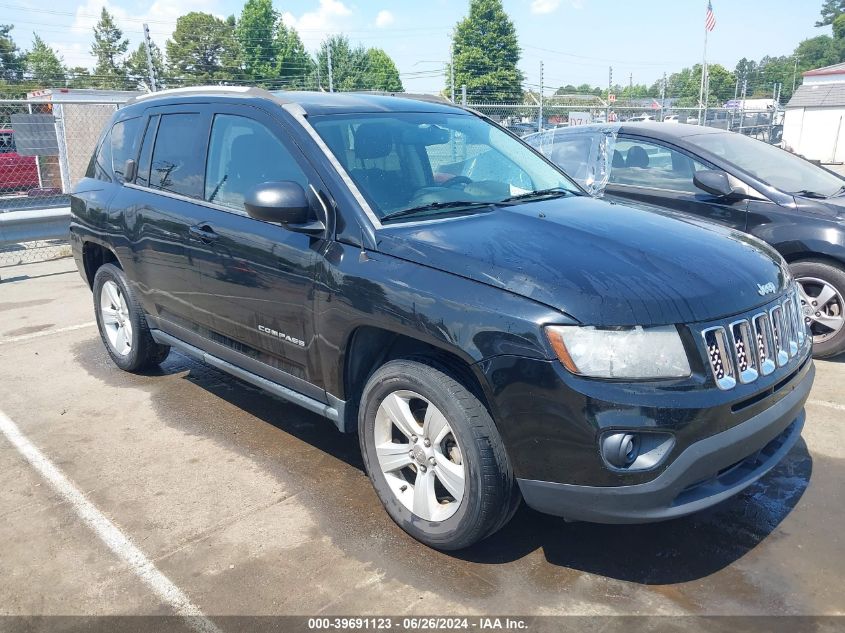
249	505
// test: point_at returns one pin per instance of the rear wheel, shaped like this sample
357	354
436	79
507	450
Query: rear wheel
434	455
822	292
122	322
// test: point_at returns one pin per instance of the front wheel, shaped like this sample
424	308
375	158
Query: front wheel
434	455
822	291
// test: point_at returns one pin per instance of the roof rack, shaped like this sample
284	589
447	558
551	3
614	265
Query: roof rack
200	90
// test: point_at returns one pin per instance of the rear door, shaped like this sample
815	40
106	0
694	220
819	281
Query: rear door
160	209
655	173
254	293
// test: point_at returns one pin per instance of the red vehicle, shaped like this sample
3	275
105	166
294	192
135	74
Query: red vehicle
16	172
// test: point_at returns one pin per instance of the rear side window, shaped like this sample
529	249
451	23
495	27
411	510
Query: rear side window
178	157
100	165
243	153
124	145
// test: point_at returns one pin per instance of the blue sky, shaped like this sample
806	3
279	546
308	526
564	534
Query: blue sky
575	39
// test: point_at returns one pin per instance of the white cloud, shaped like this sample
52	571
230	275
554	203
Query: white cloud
384	18
544	6
314	26
161	16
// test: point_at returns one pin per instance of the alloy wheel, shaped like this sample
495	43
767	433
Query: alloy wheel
823	308
419	455
115	317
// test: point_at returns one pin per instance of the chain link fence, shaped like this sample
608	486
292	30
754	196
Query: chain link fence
45	147
46	144
523	119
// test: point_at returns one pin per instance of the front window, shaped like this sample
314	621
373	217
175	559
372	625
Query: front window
426	164
643	164
770	164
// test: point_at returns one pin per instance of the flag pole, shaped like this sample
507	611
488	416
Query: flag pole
703	73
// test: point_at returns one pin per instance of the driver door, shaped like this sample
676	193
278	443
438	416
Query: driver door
654	173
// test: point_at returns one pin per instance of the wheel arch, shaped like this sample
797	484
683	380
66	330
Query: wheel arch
94	255
370	347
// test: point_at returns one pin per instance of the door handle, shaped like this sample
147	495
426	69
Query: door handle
203	233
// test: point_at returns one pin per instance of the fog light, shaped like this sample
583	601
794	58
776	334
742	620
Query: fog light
634	451
620	449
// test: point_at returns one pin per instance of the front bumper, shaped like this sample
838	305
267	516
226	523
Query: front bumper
704	474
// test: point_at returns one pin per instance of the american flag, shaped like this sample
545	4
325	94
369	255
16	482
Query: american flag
710	18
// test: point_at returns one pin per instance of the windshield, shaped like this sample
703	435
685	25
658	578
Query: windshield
425	163
770	164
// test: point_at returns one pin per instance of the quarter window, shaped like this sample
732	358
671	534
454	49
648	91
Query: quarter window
645	164
124	145
243	153
177	164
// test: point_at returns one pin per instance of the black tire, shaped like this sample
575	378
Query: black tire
491	495
834	276
144	352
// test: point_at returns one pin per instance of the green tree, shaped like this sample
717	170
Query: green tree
109	47
11	61
79	77
203	49
256	36
818	51
486	53
294	66
43	66
831	9
137	67
348	64
381	72
839	28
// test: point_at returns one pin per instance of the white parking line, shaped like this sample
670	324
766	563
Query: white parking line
27	337
829	405
108	532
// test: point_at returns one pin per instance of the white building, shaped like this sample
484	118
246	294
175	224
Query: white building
814	123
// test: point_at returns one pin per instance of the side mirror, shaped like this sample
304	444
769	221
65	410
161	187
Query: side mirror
715	183
283	202
130	170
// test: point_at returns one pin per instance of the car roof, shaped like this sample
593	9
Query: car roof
313	103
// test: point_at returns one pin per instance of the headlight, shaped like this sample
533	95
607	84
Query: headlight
634	352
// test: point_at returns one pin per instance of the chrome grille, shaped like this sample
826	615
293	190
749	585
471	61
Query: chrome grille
744	350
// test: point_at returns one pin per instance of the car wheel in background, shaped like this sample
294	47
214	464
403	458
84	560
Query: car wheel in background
434	455
122	322
822	292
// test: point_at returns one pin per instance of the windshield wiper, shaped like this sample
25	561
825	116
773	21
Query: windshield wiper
839	192
809	194
540	193
433	206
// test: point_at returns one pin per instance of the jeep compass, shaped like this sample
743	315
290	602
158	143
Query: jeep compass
421	277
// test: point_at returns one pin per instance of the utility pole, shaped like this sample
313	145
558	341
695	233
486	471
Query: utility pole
794	74
452	70
329	59
609	90
540	117
663	97
149	48
464	95
631	86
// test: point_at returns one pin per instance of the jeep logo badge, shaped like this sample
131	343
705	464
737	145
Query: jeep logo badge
766	289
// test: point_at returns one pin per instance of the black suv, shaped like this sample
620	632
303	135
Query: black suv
422	278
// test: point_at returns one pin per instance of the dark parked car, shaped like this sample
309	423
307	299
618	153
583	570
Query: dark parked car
422	278
720	176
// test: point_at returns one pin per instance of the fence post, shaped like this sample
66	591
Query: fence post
540	118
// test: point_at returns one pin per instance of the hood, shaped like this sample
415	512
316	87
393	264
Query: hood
828	208
599	262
